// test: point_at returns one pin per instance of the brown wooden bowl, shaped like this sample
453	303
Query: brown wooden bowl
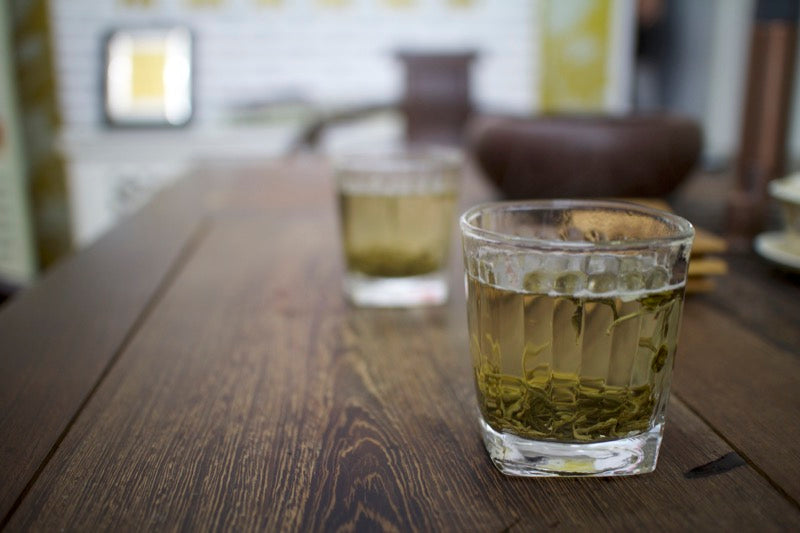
585	156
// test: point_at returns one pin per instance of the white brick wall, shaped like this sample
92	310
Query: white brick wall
248	52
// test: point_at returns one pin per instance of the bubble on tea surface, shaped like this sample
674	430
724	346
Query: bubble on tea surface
632	264
632	281
602	282
569	282
656	278
537	282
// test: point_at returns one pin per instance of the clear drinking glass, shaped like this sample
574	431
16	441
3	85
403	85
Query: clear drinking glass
573	314
397	216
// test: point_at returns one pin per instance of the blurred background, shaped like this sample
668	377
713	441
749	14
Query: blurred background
104	102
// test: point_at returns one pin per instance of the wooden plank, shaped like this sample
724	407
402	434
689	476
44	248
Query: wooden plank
303	182
700	284
707	266
746	388
253	397
58	337
706	242
285	184
761	298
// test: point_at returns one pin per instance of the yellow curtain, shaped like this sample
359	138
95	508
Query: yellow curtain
400	3
333	3
138	3
576	36
204	3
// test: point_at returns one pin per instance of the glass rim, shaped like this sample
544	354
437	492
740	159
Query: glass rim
399	161
684	230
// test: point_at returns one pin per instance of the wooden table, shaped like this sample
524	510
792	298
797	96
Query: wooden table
198	368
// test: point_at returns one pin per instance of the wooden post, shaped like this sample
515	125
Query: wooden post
762	149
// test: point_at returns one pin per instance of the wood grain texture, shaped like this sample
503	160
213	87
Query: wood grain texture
760	298
58	337
745	387
254	398
700	285
707	266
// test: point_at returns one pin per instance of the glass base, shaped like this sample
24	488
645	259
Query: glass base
516	456
412	291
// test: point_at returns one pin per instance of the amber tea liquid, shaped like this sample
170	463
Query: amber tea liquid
396	234
575	368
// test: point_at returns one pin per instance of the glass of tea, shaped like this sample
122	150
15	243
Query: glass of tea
397	217
573	312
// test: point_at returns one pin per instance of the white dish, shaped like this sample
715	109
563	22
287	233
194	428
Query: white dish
774	246
786	189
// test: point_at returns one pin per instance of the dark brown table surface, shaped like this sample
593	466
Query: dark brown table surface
198	368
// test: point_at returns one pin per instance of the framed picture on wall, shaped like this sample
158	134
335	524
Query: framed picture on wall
147	79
